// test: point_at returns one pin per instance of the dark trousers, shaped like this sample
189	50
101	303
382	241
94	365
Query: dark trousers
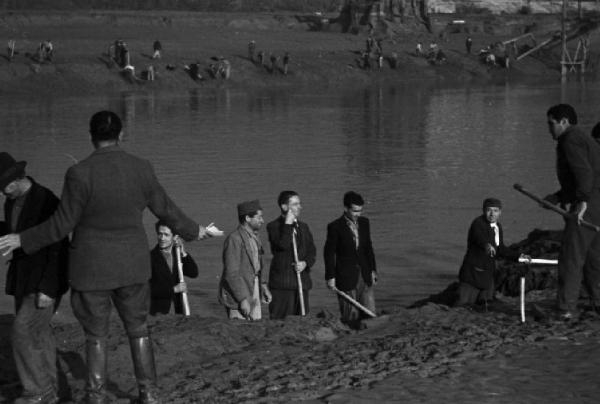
364	294
92	309
579	259
469	294
286	303
34	347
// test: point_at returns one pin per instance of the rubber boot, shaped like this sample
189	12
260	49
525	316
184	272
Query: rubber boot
95	350
145	371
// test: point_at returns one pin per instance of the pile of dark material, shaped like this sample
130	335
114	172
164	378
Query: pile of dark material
538	244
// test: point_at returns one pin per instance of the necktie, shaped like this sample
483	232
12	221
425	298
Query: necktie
496	234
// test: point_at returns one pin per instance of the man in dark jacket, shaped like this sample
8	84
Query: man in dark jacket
578	172
293	252
349	258
103	201
165	288
485	243
37	281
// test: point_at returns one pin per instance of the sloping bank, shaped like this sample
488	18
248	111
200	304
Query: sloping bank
215	360
326	58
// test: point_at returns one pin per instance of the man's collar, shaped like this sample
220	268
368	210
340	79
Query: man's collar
248	229
107	149
349	219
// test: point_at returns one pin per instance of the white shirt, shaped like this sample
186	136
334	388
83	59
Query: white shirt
494	226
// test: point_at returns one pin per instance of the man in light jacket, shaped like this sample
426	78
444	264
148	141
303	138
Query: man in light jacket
242	282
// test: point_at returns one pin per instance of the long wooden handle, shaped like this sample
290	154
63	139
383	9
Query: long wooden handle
298	277
184	296
354	302
540	261
553	207
522	298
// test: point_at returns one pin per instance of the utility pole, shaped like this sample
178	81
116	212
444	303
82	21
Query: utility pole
563	36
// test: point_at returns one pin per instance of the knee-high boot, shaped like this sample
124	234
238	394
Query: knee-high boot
95	350
145	371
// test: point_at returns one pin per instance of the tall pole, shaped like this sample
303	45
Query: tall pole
563	35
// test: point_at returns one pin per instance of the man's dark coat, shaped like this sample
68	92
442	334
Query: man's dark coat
103	202
478	267
44	270
342	260
281	274
163	280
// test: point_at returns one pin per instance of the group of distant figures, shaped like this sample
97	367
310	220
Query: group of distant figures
219	70
119	53
258	58
434	54
44	53
492	55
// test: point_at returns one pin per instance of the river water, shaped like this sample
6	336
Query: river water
423	156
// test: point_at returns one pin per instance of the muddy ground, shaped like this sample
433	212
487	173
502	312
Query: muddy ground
424	354
427	354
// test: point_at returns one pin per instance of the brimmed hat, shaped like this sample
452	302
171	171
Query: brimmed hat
248	207
10	169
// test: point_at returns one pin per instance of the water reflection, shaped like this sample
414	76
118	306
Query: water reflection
423	157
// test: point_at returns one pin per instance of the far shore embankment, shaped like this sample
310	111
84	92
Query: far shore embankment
321	56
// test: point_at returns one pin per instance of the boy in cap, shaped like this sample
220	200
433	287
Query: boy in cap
242	282
485	244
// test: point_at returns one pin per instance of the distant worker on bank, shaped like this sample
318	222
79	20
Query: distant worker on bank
286	62
165	285
419	49
469	44
11	49
157	48
251	50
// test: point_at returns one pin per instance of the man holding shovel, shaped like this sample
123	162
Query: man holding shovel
294	254
578	171
166	289
349	259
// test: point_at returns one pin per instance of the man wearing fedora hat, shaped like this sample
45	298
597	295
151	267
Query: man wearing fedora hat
102	204
36	280
242	285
